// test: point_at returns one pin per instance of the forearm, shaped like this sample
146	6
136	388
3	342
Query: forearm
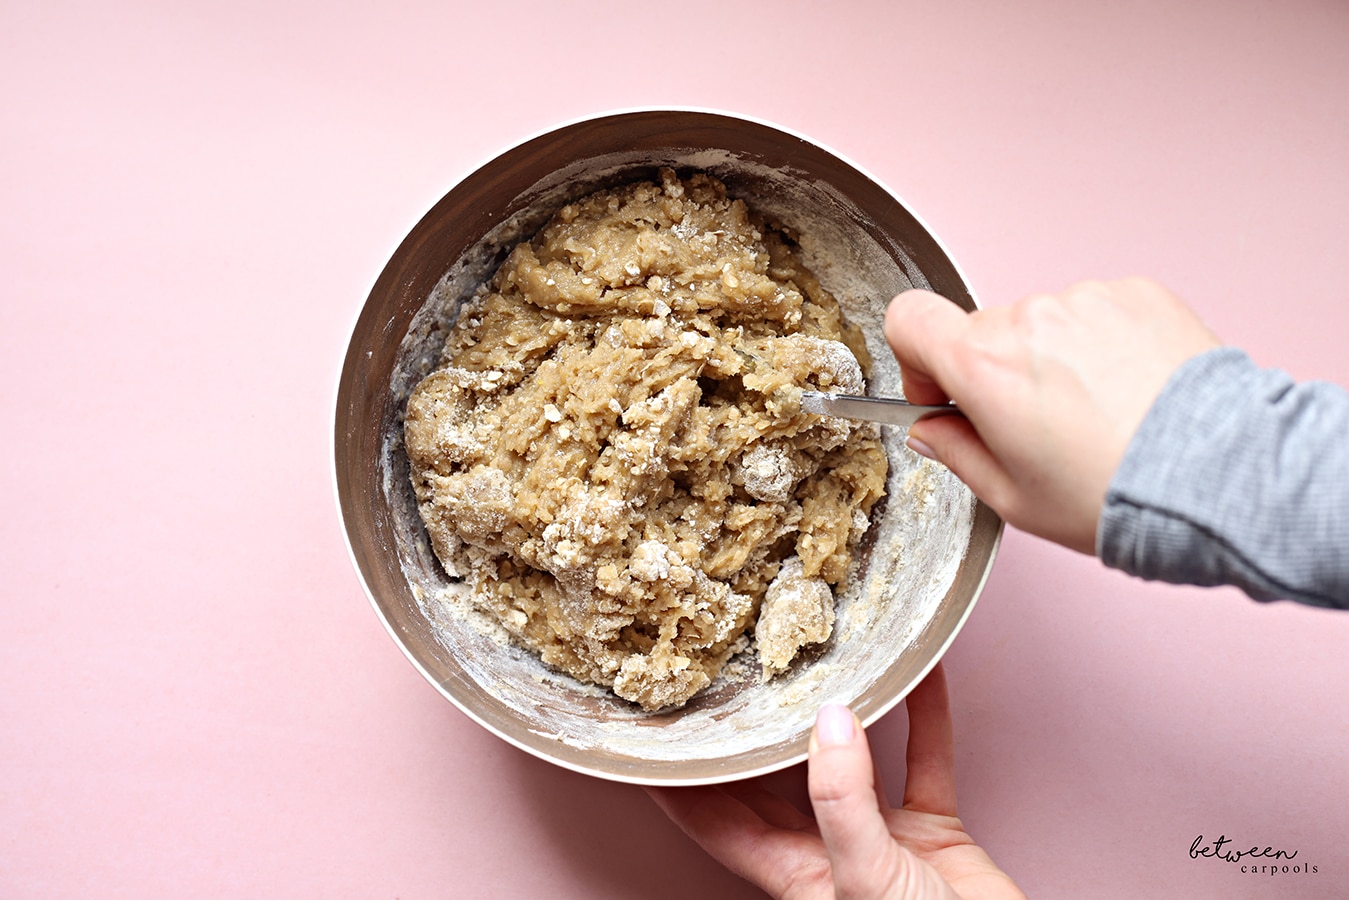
1236	476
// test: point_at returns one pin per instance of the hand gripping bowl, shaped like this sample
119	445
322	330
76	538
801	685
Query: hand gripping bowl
921	566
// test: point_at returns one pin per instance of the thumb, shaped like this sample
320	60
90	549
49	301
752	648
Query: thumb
922	328
864	859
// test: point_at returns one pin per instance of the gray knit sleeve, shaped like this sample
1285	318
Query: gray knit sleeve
1238	476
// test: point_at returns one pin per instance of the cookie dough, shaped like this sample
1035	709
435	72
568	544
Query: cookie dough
612	454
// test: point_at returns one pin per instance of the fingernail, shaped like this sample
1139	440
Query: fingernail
920	448
834	725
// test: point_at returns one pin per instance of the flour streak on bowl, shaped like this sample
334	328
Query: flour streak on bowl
923	561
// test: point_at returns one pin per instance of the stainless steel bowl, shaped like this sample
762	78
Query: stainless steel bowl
922	565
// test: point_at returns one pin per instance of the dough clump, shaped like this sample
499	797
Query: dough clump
612	453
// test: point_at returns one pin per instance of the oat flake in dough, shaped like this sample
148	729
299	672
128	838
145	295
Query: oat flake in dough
613	454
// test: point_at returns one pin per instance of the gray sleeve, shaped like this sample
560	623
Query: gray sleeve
1237	476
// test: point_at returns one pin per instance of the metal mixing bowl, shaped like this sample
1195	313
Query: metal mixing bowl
920	569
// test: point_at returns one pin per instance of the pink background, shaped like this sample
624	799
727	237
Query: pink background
194	200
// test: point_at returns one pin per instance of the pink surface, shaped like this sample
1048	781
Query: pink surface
194	199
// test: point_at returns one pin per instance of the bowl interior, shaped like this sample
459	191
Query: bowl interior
922	564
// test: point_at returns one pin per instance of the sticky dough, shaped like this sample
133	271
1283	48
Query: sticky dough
612	453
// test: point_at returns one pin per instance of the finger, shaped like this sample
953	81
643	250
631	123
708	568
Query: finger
954	442
861	850
930	785
732	834
920	326
773	808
